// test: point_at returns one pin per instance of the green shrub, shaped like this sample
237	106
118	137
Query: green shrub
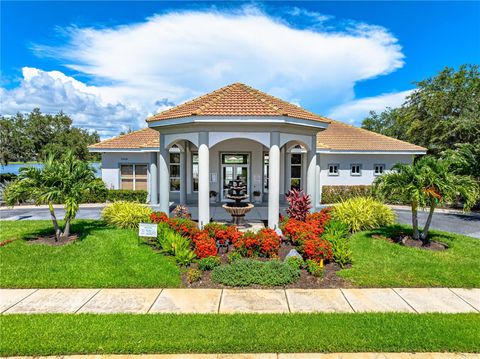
208	263
295	262
337	234
123	214
174	244
139	196
7	177
233	256
194	275
363	213
314	268
336	194
246	271
97	196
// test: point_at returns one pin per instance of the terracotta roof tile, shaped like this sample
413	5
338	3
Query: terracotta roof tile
145	138
340	136
237	100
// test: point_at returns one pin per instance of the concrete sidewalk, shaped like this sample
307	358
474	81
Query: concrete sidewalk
412	300
275	356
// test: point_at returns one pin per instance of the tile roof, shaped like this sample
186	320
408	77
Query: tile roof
237	100
145	138
338	136
342	137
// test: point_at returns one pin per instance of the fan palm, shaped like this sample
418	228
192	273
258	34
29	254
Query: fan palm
61	180
428	182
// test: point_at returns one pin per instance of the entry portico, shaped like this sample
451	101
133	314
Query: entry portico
190	153
232	116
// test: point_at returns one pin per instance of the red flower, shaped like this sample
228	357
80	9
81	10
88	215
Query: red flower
317	249
205	247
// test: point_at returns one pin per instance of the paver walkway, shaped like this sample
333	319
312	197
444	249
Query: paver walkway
412	300
278	356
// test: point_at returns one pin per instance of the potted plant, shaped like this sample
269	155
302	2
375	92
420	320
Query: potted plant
213	196
257	196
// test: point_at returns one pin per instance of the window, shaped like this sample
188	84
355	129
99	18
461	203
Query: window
195	172
133	176
296	171
333	169
175	171
234	159
265	172
355	170
378	169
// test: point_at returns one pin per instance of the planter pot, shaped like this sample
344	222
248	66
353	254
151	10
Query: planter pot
213	199
257	199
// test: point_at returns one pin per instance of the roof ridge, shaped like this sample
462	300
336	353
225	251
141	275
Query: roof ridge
256	94
221	94
375	133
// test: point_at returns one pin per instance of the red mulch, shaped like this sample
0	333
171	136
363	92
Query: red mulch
51	241
408	241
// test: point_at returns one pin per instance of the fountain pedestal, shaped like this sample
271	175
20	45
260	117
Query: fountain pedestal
237	209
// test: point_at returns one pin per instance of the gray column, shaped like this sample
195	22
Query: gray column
164	177
311	164
183	176
288	170
203	180
153	179
274	183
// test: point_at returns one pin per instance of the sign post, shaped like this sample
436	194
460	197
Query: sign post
147	230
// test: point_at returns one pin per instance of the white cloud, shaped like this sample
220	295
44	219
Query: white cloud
355	111
175	56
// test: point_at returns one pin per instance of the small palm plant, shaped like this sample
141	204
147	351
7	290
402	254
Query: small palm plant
428	182
61	180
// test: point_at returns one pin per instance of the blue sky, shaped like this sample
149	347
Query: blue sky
111	64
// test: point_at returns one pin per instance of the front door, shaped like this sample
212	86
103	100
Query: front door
234	166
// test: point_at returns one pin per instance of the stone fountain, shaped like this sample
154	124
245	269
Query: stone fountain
237	209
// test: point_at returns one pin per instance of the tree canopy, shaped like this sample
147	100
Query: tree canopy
441	113
30	137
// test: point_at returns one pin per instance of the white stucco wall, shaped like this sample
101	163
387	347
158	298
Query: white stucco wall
366	160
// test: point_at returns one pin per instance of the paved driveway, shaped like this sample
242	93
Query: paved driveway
448	222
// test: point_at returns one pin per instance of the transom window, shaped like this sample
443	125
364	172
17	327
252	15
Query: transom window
355	169
234	159
333	169
378	169
296	171
175	171
133	176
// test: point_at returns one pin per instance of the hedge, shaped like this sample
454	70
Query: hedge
127	195
336	194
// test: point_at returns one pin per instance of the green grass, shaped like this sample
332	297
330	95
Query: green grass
378	263
55	334
103	257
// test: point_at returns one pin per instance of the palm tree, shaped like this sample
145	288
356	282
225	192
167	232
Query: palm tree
428	182
61	180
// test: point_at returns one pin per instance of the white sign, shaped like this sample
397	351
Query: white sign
147	230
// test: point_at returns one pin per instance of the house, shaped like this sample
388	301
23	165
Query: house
239	132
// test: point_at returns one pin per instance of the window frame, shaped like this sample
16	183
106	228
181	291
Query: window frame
134	176
384	167
333	174
300	165
352	165
193	164
266	170
170	164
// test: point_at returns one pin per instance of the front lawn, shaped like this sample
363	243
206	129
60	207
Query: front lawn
103	257
57	334
378	263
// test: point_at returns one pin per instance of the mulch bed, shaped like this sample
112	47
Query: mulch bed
408	241
50	240
306	280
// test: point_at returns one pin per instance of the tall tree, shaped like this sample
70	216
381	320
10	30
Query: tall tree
442	111
33	136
